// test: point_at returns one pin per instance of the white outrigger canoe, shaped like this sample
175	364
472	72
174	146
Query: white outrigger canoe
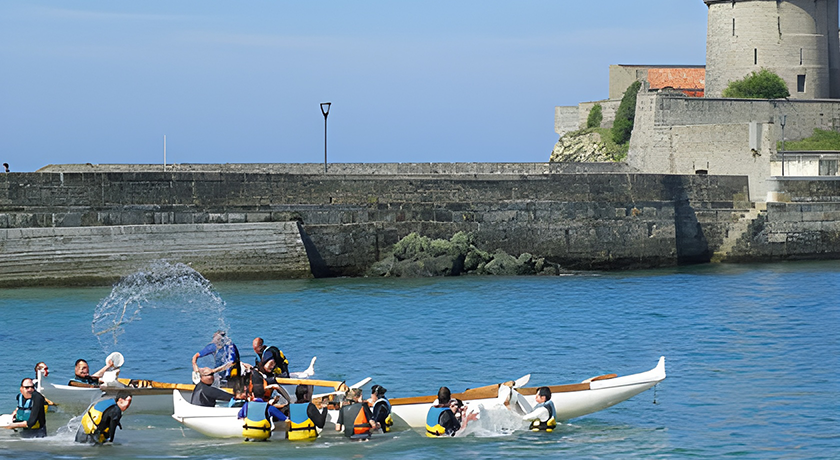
221	422
570	401
148	396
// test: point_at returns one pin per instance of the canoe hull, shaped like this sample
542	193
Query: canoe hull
571	401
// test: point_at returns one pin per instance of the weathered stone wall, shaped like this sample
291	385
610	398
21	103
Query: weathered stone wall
608	109
566	119
680	135
103	254
577	220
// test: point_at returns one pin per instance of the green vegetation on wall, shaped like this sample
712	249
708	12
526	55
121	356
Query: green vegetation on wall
626	115
763	84
820	140
596	116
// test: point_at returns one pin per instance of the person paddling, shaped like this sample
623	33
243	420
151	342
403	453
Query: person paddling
30	414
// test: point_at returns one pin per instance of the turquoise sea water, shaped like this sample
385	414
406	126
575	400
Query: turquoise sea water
752	356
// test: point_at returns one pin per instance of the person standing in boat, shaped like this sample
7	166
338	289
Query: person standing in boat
204	393
304	418
84	376
30	414
225	354
542	418
355	419
380	407
266	354
100	421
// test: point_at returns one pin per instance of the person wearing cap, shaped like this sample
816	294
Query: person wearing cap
542	418
30	414
84	376
204	393
225	354
380	407
100	421
355	420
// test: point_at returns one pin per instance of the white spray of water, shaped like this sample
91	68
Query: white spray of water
494	421
162	285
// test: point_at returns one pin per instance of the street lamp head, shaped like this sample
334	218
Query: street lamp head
325	108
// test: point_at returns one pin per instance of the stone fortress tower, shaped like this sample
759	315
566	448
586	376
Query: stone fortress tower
797	39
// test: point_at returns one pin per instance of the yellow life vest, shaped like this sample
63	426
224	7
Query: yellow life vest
549	424
301	427
93	418
257	425
433	427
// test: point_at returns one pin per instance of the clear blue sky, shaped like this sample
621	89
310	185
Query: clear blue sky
229	82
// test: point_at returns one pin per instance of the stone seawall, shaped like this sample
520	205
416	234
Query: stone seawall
581	221
103	254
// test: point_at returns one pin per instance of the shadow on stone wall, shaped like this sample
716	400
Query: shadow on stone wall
316	263
691	243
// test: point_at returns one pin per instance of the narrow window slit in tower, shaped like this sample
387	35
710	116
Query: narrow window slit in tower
800	56
733	27
755	56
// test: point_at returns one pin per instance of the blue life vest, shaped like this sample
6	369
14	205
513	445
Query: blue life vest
301	427
548	425
257	425
433	426
24	408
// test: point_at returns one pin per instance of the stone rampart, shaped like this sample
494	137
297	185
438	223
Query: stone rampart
597	221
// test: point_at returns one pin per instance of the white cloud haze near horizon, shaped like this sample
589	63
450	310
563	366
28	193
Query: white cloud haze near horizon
103	82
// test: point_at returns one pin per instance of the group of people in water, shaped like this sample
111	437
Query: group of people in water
261	399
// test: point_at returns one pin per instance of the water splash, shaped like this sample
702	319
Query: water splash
493	422
176	290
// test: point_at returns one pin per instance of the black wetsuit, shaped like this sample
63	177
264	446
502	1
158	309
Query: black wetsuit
206	395
107	425
318	417
36	417
347	418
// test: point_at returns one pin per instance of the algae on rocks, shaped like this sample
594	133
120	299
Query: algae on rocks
418	256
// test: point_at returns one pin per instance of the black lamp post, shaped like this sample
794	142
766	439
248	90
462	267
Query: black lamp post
325	109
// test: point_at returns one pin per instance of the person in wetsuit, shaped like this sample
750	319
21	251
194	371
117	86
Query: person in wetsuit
440	420
204	393
380	407
304	417
266	354
30	414
83	374
355	419
100	421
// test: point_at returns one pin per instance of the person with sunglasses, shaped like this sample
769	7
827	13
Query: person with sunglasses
29	416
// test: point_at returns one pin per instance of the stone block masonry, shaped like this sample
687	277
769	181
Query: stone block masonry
583	220
103	254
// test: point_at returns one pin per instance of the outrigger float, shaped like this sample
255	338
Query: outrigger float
571	401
